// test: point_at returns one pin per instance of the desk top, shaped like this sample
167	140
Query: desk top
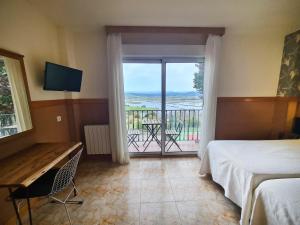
24	167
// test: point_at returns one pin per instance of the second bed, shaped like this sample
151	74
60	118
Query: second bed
277	202
240	166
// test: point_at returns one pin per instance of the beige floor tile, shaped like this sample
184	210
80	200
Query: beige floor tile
186	189
156	190
146	191
159	214
207	213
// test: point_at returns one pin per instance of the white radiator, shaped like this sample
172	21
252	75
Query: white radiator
97	139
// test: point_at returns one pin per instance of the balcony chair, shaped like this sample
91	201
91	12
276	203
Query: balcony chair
173	134
51	183
132	135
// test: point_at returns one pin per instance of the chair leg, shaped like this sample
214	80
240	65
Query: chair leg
131	141
74	201
75	190
178	145
69	218
167	141
173	139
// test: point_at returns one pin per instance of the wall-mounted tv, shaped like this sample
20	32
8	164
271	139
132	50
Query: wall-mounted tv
62	78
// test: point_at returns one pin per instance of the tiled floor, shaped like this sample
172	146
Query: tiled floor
148	191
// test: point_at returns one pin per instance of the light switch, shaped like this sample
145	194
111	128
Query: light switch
58	118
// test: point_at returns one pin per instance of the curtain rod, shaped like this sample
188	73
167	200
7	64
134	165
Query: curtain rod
158	29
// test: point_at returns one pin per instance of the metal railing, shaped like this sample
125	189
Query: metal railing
8	124
189	117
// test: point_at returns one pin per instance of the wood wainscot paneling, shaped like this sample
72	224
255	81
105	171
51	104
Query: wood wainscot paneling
87	112
75	113
48	129
254	117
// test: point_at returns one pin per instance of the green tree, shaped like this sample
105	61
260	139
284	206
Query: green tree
6	103
198	78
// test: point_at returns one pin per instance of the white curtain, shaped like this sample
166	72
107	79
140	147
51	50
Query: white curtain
19	96
118	131
211	69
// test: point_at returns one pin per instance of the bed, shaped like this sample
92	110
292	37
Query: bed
240	166
277	202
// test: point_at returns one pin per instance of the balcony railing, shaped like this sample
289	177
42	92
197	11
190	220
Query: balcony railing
8	124
189	117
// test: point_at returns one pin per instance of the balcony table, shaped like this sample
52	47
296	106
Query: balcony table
153	126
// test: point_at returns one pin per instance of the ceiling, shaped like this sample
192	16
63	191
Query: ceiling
249	14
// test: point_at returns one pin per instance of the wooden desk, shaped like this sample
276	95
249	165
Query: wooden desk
23	168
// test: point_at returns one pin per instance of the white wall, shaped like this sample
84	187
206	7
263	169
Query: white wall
250	62
90	54
24	30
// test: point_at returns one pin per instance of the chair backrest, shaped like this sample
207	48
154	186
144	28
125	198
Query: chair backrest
179	126
66	174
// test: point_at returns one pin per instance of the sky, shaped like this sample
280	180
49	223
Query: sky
146	77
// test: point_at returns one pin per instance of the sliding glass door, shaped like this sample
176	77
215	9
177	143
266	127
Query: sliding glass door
163	99
142	87
183	105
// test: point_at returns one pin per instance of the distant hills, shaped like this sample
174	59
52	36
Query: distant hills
158	94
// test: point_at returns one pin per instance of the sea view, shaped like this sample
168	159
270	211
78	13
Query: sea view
152	100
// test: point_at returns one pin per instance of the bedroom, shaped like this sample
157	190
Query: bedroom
165	187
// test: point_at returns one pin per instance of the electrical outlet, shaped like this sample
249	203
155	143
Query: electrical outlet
58	118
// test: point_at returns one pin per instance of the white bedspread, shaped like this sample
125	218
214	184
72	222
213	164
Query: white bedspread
240	166
277	202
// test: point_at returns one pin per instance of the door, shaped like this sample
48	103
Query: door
143	105
183	104
163	100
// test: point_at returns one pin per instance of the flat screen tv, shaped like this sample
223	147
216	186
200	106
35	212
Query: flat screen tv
62	78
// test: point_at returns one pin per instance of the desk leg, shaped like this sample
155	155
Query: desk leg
29	210
15	207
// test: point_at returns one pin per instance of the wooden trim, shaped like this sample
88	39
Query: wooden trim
16	136
48	103
157	29
256	99
19	57
10	54
54	102
88	101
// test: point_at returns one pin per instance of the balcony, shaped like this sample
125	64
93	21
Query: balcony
189	136
8	125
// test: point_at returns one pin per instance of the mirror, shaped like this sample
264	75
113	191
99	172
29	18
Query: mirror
15	115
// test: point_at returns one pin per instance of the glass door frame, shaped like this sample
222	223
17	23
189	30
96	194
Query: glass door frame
163	61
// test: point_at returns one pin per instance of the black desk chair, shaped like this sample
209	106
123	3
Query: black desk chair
51	183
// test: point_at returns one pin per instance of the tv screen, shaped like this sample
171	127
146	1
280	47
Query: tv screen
62	78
